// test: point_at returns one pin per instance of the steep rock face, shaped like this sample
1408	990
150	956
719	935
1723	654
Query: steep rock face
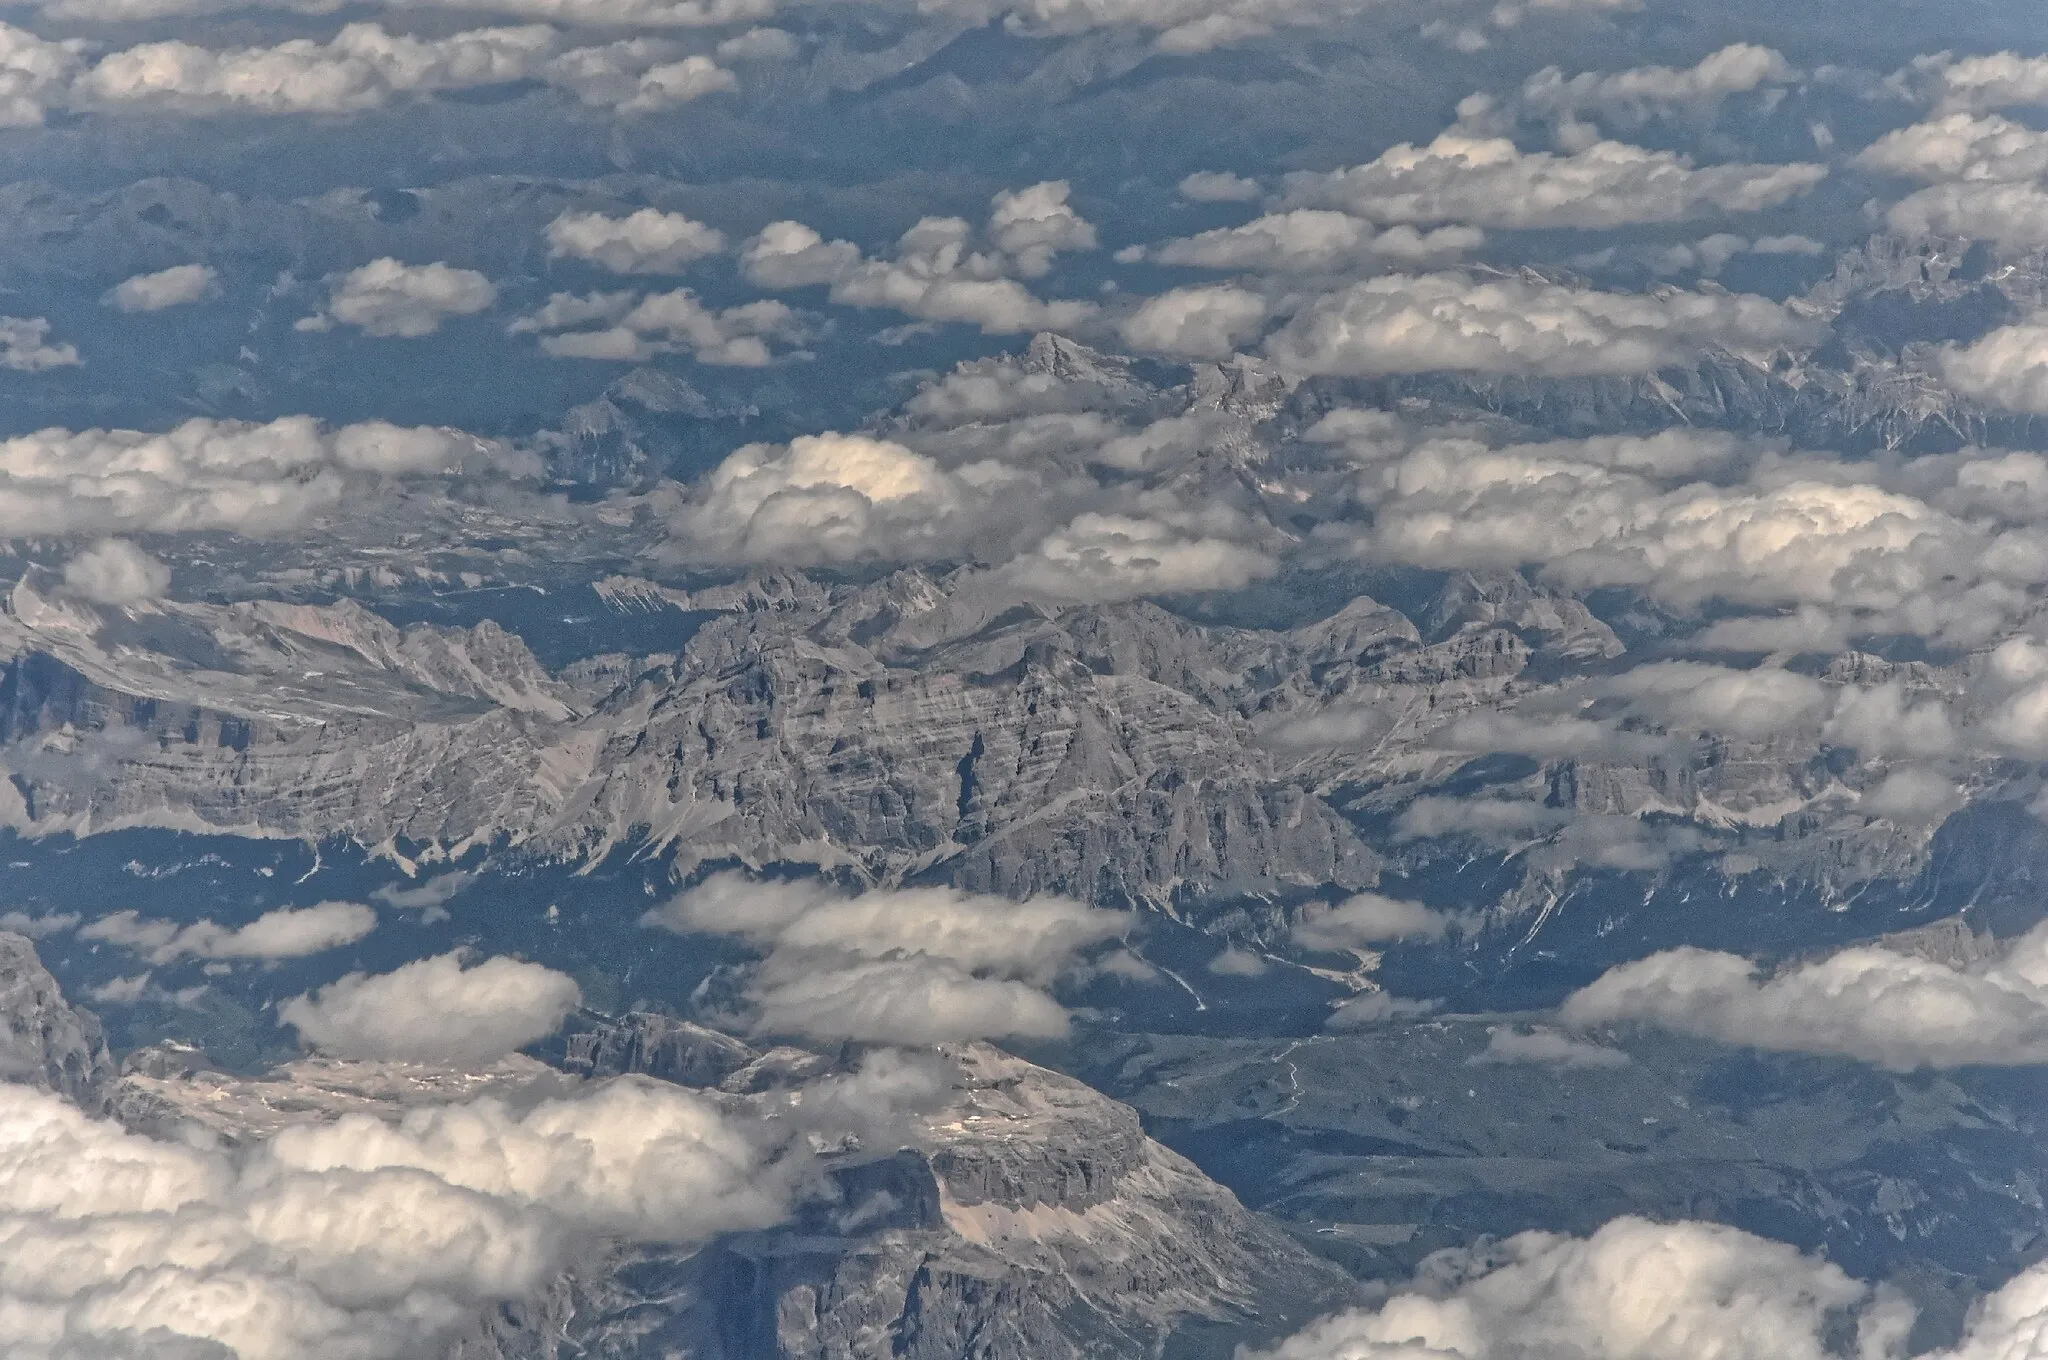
1030	1219
1026	1216
1010	753
44	1041
656	1046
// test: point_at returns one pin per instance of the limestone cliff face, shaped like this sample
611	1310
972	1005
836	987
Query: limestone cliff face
44	1041
1024	1216
1030	1218
895	732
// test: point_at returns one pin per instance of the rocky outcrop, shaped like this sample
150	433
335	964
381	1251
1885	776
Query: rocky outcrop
656	1046
1030	1219
45	1041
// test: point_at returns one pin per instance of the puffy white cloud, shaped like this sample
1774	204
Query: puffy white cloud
1489	182
631	329
1632	96
388	298
1912	797
115	571
1218	186
173	287
365	66
637	75
356	1240
911	965
35	927
606	13
1208	322
1507	1044
1634	1290
1180	26
823	498
1882	721
1308	240
1947	547
361	67
1423	323
1101	557
1880	1006
760	44
645	242
435	1010
936	273
2013	215
2008	367
1996	80
1960	146
213	474
1369	918
984	494
285	933
34	74
25	346
593	13
1032	225
791	255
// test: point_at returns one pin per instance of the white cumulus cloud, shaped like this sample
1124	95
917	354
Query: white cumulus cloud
115	571
1634	1290
1490	182
1422	323
173	287
942	269
25	346
1874	1004
284	933
645	242
387	297
435	1010
909	965
214	474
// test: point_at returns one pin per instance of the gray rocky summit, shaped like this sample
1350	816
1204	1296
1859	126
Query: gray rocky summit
45	1041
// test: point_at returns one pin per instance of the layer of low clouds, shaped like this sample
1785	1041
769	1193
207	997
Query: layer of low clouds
1944	546
1878	1005
1479	181
1448	321
625	327
2006	368
1632	96
355	1240
1634	1290
908	966
362	66
207	474
847	498
1308	240
435	1010
285	933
